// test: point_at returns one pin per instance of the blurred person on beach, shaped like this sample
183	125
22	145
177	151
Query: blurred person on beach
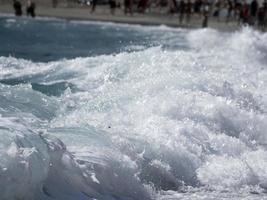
17	7
244	14
238	12
253	11
264	5
237	9
197	6
182	7
223	12
172	6
230	10
30	8
54	3
112	4
205	11
188	10
94	2
217	9
261	17
142	6
128	6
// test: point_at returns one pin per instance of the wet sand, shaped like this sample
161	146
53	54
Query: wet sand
102	13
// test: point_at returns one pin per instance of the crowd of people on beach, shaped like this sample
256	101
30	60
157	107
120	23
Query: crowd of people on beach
253	13
30	8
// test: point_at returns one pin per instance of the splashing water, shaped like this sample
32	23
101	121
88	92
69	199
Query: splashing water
179	116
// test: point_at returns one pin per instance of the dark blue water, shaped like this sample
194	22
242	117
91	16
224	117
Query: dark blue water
41	40
46	40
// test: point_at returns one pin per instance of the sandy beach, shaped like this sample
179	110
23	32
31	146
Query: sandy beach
103	14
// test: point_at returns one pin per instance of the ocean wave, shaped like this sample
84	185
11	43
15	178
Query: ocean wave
152	124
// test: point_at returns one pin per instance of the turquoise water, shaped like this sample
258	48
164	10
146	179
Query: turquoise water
46	40
120	112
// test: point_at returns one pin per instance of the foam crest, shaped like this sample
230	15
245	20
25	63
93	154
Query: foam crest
177	105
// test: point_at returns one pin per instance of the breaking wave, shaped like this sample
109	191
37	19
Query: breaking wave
158	123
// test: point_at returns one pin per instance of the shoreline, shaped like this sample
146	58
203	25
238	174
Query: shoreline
102	14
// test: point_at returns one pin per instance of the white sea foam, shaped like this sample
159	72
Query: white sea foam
145	124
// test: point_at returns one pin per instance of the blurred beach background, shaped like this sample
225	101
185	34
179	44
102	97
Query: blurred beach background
155	13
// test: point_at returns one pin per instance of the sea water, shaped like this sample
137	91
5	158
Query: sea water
119	112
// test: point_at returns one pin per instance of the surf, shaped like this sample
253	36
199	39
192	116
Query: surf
176	120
